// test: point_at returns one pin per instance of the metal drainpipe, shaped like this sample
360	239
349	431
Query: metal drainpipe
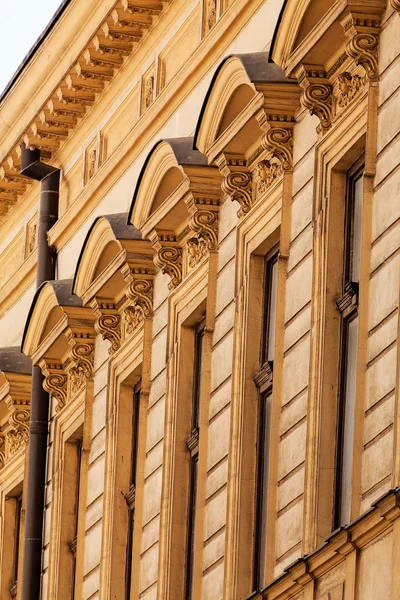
32	167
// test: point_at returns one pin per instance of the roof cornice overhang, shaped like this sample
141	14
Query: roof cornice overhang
74	63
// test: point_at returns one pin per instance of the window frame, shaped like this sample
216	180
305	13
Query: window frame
130	496
264	382
348	306
192	444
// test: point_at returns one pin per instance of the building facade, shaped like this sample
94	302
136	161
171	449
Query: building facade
199	303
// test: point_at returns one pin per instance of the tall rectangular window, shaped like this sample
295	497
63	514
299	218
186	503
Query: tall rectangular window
264	380
348	306
17	538
193	447
130	496
74	543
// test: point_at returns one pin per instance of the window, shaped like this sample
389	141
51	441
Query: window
77	449
263	381
130	496
193	447
17	537
348	307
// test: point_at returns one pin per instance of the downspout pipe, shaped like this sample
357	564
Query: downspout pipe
31	166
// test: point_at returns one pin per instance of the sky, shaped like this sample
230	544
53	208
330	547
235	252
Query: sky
21	23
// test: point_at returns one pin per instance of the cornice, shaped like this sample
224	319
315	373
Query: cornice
48	120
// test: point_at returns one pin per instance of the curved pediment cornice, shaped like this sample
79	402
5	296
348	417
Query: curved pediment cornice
171	170
111	245
175	205
319	33
243	88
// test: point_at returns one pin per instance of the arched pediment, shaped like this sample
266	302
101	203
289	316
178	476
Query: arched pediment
315	32
52	307
237	85
165	176
107	247
59	337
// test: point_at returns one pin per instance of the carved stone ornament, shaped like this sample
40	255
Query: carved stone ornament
346	88
237	184
362	46
279	141
19	432
140	291
204	224
197	249
211	14
108	325
55	383
148	92
395	4
91	163
317	96
2	450
82	358
168	258
266	173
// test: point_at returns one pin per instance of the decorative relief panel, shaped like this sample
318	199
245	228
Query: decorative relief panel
31	236
209	15
345	89
90	161
265	175
148	89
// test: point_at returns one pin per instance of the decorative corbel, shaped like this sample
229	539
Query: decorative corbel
81	360
2	450
362	46
168	257
237	182
108	323
55	382
316	95
204	225
18	434
140	294
346	88
278	141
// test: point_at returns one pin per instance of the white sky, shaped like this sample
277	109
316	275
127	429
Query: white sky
21	23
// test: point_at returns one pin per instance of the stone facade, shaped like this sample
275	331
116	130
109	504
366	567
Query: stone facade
203	442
